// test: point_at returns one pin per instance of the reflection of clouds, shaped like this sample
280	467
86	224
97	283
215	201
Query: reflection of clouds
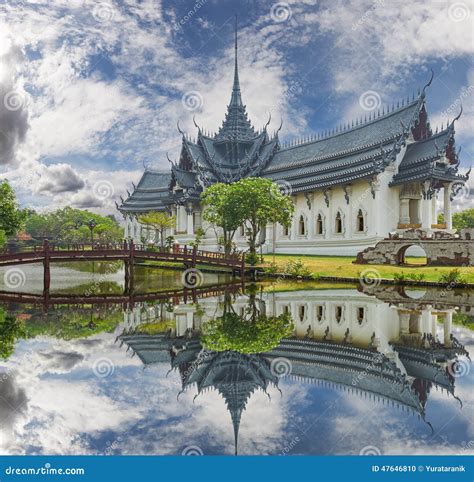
60	361
71	411
361	422
13	404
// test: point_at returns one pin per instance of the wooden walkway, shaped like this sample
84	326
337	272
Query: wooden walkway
127	300
128	252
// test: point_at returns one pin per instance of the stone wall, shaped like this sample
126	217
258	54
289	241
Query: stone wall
441	248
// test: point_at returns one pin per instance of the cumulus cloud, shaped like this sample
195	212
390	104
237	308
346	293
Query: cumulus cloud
105	85
13	110
59	178
57	361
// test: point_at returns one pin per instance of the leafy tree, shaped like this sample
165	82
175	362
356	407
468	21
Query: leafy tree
11	330
259	202
231	332
221	211
3	238
461	220
160	221
251	332
69	224
11	217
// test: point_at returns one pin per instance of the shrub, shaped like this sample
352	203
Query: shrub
296	267
399	276
272	268
252	258
452	277
416	276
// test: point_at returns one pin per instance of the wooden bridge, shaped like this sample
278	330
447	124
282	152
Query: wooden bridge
128	252
127	300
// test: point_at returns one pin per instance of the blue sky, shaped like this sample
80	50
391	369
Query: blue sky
92	90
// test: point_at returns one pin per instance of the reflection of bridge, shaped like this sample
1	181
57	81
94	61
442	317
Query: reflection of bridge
128	252
47	300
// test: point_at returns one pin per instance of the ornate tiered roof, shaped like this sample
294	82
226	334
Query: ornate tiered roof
151	193
363	371
433	158
359	151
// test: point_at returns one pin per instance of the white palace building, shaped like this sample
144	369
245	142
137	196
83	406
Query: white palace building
351	186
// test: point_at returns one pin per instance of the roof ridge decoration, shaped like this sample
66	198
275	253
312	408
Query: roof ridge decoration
352	126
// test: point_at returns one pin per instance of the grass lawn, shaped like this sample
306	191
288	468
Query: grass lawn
342	266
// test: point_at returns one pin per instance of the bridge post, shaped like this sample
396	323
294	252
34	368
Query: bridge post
129	270
193	261
242	267
46	268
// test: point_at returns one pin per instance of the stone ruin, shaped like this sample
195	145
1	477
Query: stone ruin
442	248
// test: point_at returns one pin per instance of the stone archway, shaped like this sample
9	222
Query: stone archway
442	249
412	250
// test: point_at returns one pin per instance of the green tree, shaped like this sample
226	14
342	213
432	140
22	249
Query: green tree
160	221
251	332
11	218
70	225
3	238
461	220
259	202
11	330
221	211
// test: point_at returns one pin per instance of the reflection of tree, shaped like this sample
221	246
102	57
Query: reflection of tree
252	331
11	330
69	323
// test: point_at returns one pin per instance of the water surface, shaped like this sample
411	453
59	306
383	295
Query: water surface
340	371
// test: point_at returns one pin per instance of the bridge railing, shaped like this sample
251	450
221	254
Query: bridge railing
177	252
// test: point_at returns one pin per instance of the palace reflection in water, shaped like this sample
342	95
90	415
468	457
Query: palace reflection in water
375	346
353	340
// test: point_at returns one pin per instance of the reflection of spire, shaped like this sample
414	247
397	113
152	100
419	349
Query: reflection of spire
235	376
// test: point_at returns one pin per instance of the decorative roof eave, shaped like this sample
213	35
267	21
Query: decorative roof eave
435	176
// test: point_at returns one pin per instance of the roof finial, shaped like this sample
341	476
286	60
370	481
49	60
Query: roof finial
458	116
236	100
428	83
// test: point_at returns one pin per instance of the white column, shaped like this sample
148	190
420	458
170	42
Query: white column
425	321
448	321
404	211
434	322
139	232
182	219
190	320
404	323
189	224
126	228
434	216
426	213
447	206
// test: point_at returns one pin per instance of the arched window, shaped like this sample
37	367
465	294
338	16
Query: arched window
302	312
286	230
301	226
319	312
338	222
360	221
338	313
360	314
319	224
